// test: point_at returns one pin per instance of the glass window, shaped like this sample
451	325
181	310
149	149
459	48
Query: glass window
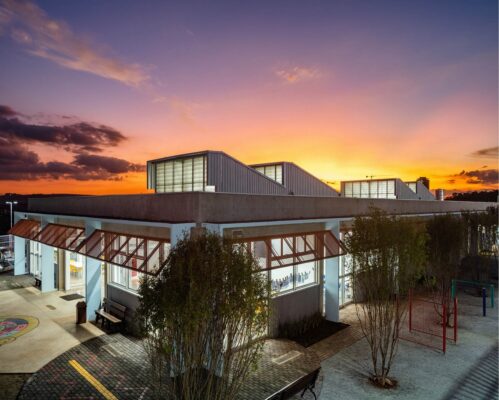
305	274
168	177
35	258
181	175
364	189
373	189
270	171
273	172
390	190
134	280
382	189
119	275
278	174
348	189
160	177
282	279
356	189
125	277
198	174
187	177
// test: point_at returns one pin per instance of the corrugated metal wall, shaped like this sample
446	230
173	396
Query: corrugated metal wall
423	193
403	191
231	176
301	183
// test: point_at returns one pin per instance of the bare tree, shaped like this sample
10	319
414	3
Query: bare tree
386	254
201	317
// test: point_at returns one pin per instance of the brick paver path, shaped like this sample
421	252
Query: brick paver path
119	364
346	337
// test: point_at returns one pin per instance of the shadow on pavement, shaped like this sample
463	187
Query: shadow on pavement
480	381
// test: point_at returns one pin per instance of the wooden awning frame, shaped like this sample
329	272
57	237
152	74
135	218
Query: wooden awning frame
295	248
64	237
143	254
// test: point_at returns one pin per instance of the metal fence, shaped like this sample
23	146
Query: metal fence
430	323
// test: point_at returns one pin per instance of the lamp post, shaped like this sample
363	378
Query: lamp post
11	204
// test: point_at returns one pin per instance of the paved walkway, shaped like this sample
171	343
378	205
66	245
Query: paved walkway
36	327
333	344
115	367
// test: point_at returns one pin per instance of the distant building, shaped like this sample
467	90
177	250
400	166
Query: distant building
440	194
393	188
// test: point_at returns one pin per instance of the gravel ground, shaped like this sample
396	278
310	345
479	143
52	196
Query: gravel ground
467	371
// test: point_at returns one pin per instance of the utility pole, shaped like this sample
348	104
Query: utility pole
11	204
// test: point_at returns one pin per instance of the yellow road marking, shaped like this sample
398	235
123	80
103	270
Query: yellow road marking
93	381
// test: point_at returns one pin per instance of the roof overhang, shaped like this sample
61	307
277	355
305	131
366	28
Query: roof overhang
26	229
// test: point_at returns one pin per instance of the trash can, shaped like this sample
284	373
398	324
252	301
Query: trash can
81	312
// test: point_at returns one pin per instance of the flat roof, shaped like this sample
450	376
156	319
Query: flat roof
221	208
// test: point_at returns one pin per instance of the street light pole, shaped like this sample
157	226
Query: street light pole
11	204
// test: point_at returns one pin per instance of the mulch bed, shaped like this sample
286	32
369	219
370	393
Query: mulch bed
324	330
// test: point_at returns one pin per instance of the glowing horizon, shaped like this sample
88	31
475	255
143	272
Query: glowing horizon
344	90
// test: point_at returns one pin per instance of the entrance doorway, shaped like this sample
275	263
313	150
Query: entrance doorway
74	273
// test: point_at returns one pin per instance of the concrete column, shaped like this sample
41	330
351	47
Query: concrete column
215	228
177	232
331	281
93	275
47	261
20	256
47	268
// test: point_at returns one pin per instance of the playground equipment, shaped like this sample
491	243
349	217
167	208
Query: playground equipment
481	286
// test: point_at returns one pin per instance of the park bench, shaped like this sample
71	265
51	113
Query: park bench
302	384
111	313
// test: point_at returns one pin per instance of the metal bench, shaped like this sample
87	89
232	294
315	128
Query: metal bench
111	313
302	384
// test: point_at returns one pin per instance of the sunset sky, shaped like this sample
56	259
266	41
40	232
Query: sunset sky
90	90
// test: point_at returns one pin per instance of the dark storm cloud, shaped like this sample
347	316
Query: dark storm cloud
490	152
77	137
482	176
110	164
19	162
6	111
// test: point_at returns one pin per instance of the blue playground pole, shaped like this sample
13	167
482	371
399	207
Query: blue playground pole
484	301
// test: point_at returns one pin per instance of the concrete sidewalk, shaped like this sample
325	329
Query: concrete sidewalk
55	333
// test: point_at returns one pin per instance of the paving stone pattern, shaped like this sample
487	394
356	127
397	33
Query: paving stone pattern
333	344
270	377
119	363
124	374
